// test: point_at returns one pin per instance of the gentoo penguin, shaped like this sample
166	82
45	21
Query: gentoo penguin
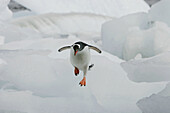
80	58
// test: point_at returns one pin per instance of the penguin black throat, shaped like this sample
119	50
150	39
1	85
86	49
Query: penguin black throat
75	47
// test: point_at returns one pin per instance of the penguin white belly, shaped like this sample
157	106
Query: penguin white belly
81	59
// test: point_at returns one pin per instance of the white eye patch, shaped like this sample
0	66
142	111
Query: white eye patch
76	45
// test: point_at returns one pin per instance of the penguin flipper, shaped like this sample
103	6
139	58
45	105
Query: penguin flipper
95	48
64	48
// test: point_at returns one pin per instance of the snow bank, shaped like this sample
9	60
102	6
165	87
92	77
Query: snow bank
113	8
138	35
145	34
148	43
114	32
54	24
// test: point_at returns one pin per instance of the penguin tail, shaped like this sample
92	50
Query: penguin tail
90	66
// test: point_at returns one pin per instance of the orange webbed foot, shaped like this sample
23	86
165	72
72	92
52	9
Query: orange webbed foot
76	71
83	82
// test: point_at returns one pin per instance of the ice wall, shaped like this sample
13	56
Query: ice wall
113	8
153	69
148	43
151	2
141	33
114	33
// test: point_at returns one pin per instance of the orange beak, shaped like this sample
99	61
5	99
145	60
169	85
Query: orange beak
75	53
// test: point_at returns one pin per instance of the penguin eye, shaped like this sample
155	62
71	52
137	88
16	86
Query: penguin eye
78	45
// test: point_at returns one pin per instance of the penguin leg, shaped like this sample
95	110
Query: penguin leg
83	81
76	71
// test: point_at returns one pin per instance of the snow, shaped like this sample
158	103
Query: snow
113	32
52	24
155	104
14	33
160	12
36	73
112	8
140	35
5	13
155	68
42	76
148	43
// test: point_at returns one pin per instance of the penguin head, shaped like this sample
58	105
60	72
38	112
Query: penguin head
78	46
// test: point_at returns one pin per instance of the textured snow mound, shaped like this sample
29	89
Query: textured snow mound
84	26
53	24
113	8
15	33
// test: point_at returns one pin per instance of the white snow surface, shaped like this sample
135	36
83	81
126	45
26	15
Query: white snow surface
5	13
112	8
160	12
158	103
155	104
155	68
37	73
